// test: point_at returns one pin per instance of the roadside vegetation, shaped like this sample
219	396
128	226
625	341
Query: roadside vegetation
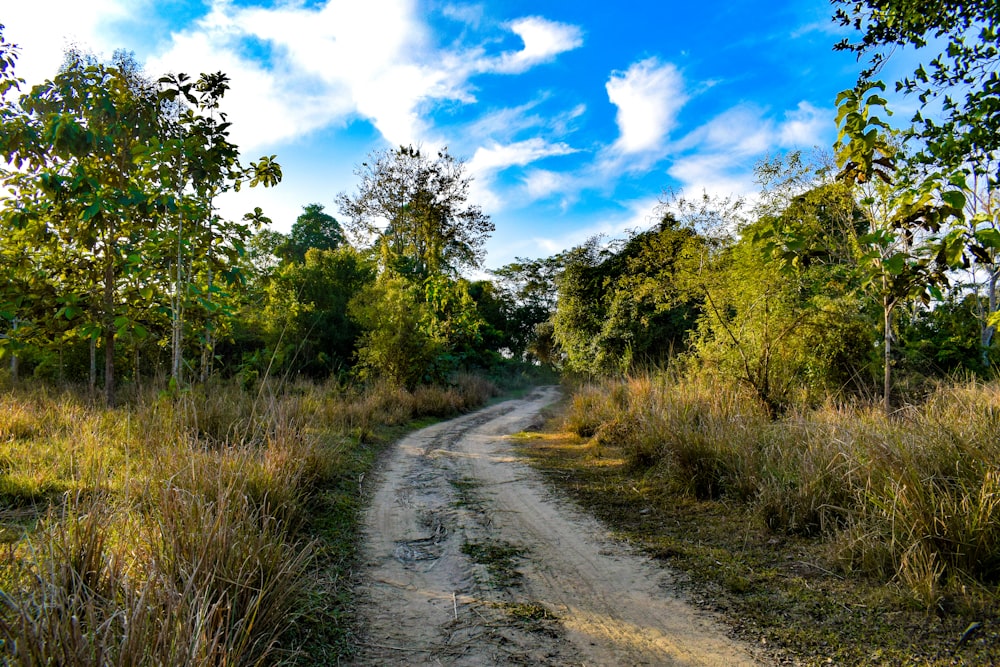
215	527
833	532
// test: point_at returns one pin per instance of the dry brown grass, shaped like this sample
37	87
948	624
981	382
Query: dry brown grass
182	529
914	498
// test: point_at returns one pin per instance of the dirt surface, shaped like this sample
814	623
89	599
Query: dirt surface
471	560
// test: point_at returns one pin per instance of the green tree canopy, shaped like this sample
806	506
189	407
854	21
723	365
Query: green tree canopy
413	208
314	228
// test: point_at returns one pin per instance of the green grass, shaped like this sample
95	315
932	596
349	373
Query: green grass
500	559
833	532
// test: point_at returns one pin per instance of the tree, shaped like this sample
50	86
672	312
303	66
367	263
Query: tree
413	209
624	305
527	292
304	317
395	344
895	262
72	144
201	164
982	215
964	75
107	171
313	229
412	212
962	87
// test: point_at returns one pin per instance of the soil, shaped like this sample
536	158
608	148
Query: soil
470	559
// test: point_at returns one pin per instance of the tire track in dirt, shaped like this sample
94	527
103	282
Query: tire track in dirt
470	560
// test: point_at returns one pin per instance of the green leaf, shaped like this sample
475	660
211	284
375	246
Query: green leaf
954	199
988	238
895	264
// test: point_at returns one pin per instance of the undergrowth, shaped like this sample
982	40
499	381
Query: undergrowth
834	530
209	526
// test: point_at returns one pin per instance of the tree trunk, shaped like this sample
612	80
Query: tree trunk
93	366
109	332
13	351
177	316
887	378
987	331
207	351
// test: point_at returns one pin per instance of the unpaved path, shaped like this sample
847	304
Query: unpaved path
471	560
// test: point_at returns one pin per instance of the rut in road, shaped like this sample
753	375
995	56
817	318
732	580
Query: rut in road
470	560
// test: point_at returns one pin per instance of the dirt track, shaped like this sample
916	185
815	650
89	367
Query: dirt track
471	560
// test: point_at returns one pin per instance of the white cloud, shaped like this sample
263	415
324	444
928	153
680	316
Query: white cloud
499	157
43	30
487	162
648	96
296	68
326	65
717	175
804	127
471	15
542	183
718	157
543	41
373	60
746	130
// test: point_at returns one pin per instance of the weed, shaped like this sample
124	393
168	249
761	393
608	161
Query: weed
465	492
500	559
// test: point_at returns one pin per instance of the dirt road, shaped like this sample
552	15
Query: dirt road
471	560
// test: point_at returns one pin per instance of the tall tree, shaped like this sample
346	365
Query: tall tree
530	291
624	305
205	164
959	91
897	261
413	208
73	144
315	228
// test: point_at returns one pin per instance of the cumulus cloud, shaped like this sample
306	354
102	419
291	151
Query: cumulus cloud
543	41
301	68
718	157
648	96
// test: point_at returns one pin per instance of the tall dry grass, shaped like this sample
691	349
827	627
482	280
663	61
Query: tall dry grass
174	530
913	498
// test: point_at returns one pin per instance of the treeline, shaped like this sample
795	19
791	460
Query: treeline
792	297
852	274
112	246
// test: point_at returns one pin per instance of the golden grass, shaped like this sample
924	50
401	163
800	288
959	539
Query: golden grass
176	530
914	498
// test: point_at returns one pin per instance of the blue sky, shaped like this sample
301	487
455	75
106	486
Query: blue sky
573	117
